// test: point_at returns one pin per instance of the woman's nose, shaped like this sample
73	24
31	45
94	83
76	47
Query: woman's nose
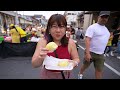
58	28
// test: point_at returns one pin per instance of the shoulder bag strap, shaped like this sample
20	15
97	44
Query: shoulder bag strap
18	32
56	55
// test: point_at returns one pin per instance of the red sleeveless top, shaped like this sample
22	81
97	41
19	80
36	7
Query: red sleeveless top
62	52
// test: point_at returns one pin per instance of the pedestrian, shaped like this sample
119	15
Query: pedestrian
23	34
116	36
14	33
68	32
55	32
96	39
78	34
108	48
82	34
72	32
118	48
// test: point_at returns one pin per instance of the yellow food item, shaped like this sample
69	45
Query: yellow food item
51	46
63	63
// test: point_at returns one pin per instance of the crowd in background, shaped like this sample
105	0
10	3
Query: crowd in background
113	46
32	33
18	34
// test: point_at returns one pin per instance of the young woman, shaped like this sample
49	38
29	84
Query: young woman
55	32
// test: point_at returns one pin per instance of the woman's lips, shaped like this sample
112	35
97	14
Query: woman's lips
58	35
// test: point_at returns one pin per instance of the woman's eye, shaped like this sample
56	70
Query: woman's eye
62	26
54	26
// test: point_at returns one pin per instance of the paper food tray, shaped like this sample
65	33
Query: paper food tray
51	63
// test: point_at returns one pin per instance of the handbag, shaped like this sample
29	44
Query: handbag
81	36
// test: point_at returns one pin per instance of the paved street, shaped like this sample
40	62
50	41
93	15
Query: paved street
20	68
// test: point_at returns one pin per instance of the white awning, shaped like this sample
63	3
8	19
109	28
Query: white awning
23	21
9	13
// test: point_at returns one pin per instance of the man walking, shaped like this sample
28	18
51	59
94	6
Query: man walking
97	36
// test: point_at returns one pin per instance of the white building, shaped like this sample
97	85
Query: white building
71	17
42	20
87	20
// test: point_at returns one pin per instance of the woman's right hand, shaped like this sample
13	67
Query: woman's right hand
43	53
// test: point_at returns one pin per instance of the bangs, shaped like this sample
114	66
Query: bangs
58	19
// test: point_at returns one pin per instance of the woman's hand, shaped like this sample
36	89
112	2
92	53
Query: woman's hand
43	53
74	63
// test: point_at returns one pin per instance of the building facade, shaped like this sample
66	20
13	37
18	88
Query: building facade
71	17
6	18
86	18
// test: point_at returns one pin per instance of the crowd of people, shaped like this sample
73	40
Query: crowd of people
113	46
20	35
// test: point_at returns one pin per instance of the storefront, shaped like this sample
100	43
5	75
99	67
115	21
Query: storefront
6	18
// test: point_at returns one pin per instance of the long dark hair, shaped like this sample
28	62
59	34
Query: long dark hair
59	19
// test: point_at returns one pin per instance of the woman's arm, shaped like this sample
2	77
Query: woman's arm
39	54
73	52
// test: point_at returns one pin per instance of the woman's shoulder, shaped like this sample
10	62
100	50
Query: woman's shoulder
71	45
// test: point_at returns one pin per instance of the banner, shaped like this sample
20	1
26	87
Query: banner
17	49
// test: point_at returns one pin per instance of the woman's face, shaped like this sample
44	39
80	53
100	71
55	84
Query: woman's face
57	32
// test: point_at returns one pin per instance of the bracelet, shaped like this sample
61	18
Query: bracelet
76	63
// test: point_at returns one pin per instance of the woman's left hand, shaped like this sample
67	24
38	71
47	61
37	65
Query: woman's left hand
75	63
